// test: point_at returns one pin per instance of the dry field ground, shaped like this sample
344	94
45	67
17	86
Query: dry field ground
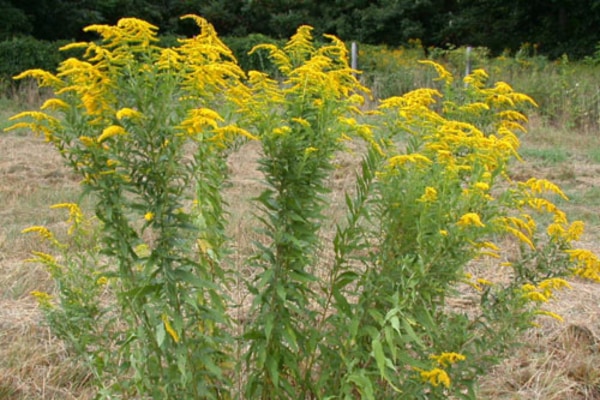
556	361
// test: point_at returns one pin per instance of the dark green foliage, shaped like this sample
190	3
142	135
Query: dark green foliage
557	26
20	54
258	60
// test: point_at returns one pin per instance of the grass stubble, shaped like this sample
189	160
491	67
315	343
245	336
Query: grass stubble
556	361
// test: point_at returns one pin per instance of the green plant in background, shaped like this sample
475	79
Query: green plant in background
143	291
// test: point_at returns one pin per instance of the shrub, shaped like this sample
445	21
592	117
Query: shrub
148	130
22	53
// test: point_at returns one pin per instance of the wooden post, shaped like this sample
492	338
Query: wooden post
354	56
468	62
468	68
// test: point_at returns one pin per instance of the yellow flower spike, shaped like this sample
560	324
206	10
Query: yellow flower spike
111	131
348	121
477	78
470	219
44	299
128	113
447	359
443	73
540	204
74	45
400	160
484	282
302	122
550	314
221	134
75	215
301	43
490	245
279	57
436	377
575	230
357	99
484	187
102	281
149	216
309	150
199	119
138	30
522	230
207	41
521	236
174	335
543	185
429	196
43	78
555	283
528	287
536	297
556	230
54	104
169	60
43	258
41	230
283	130
87	141
35	115
474	108
512	115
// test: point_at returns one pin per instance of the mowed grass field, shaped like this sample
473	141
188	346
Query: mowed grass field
556	360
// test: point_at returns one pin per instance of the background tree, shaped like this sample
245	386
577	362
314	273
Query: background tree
557	26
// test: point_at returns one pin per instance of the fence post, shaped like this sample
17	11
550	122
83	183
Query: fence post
468	62
468	68
354	56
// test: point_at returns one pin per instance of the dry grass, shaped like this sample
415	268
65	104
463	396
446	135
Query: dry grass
557	361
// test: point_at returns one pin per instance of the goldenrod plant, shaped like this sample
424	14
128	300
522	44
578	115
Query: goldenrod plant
137	123
141	286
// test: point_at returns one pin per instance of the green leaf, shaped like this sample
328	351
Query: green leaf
345	279
363	384
272	368
395	322
411	333
160	334
379	356
290	336
389	339
269	323
341	303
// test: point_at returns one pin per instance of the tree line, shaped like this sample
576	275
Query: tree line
555	27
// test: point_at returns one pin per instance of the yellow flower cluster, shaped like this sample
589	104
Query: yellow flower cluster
429	196
438	376
202	65
169	328
588	263
75	215
43	299
543	292
470	219
523	228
